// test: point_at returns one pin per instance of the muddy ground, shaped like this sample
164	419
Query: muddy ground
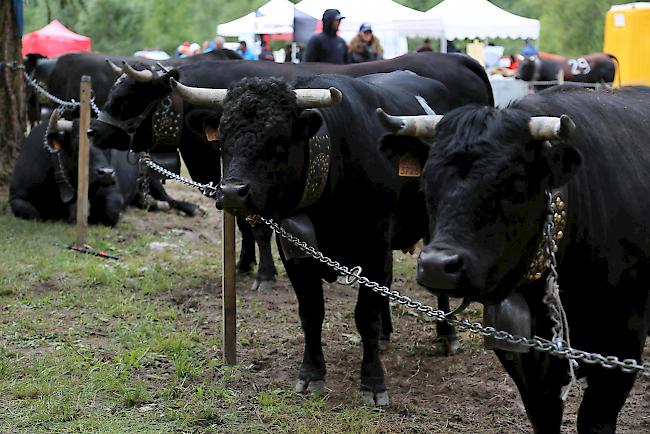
465	393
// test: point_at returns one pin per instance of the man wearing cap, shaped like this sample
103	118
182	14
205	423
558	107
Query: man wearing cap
365	46
327	46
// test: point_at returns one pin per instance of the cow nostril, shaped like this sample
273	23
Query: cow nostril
453	264
243	190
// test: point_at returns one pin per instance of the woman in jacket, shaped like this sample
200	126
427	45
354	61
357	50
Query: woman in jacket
365	46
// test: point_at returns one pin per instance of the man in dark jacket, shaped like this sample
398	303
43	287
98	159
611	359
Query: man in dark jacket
327	46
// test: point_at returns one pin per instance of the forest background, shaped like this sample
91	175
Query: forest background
569	27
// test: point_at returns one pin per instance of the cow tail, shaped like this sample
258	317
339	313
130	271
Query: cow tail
618	67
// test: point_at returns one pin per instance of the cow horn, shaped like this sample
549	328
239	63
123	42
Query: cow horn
415	126
116	69
140	76
57	124
315	98
551	128
198	95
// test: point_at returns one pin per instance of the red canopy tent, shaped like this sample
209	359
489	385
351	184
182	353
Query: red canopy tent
54	39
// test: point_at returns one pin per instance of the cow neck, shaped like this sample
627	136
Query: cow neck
166	123
556	223
316	167
60	168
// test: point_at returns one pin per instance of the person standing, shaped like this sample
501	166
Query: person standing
426	46
365	46
327	46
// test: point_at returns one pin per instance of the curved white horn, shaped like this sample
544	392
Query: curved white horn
116	69
551	128
57	124
414	126
198	95
315	98
139	76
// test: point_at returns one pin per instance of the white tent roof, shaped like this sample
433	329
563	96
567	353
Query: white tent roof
273	17
481	19
383	15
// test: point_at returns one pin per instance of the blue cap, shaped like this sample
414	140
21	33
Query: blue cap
365	27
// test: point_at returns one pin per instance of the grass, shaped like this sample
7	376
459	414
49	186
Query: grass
89	345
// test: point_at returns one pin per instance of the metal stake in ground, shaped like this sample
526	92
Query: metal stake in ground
228	290
84	156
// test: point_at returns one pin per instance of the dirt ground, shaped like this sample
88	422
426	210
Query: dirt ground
465	393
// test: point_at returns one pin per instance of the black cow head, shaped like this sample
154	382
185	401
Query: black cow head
526	69
484	178
125	119
63	137
264	134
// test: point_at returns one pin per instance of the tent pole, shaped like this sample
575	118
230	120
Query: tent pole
443	44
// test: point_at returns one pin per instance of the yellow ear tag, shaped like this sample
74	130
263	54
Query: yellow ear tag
409	165
211	134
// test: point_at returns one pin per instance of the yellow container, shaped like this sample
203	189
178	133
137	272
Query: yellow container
627	36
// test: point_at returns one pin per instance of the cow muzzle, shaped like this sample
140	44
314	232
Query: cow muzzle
232	195
106	176
440	271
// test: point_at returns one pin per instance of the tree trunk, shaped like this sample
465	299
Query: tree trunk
13	109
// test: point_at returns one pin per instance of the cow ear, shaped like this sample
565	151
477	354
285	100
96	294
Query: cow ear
563	162
407	154
164	79
310	121
393	146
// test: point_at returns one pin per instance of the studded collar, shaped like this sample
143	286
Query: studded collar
317	167
554	230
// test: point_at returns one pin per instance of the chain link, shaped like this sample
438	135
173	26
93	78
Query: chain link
351	275
68	105
536	343
208	190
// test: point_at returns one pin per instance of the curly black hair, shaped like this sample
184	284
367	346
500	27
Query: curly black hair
260	106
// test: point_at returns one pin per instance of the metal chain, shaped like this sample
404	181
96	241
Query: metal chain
208	190
68	105
537	343
352	275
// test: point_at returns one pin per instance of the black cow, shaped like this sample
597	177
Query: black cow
592	68
321	170
44	181
465	79
486	178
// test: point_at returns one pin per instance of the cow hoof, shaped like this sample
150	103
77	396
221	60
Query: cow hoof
263	286
446	346
161	205
315	387
378	399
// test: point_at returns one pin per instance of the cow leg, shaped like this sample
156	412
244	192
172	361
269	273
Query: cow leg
266	271
247	253
24	210
447	341
158	192
305	278
386	324
368	318
539	378
603	399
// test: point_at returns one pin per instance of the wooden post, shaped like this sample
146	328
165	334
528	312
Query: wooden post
84	157
228	290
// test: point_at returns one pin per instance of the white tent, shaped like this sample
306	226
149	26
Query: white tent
390	21
273	17
468	19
